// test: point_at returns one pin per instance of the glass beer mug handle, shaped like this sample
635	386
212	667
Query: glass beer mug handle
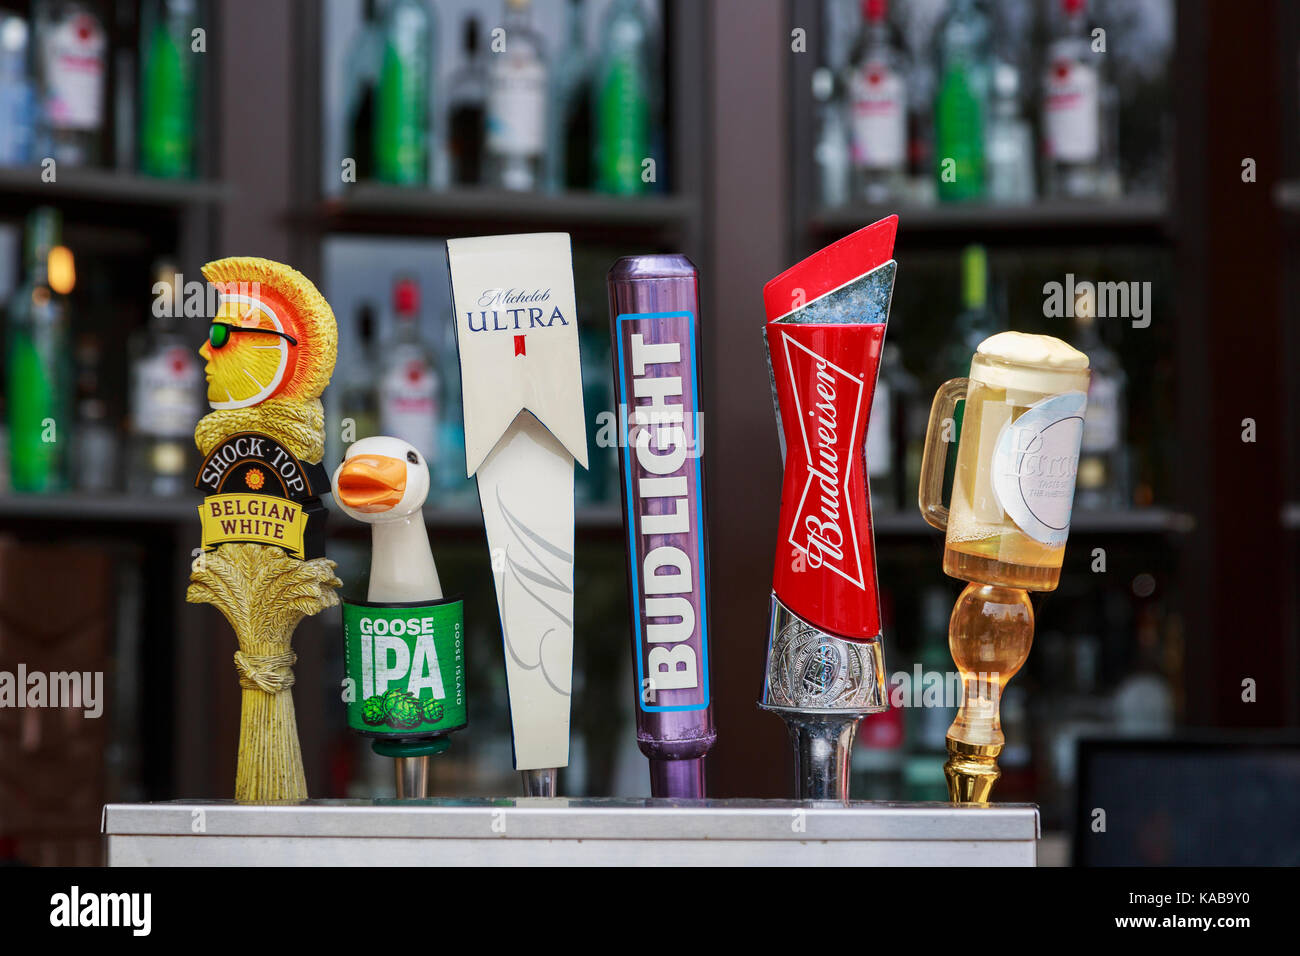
934	459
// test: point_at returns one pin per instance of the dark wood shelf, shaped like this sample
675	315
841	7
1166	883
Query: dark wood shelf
110	187
1142	219
378	209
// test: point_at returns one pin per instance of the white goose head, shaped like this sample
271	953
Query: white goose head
381	479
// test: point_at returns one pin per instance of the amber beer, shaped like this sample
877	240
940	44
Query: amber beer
1013	490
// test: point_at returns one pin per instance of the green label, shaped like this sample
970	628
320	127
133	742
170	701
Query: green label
401	131
624	128
959	136
167	120
405	668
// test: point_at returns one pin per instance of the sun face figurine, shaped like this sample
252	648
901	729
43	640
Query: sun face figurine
269	338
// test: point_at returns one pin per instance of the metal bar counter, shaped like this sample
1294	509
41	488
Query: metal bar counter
532	831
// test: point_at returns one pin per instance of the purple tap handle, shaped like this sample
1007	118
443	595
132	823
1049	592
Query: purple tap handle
654	319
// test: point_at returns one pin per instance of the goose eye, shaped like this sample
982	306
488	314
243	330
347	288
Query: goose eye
413	458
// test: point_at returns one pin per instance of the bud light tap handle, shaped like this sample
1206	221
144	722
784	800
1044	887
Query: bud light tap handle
654	316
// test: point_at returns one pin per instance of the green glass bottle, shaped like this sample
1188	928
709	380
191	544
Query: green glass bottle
961	102
168	83
624	110
401	131
39	363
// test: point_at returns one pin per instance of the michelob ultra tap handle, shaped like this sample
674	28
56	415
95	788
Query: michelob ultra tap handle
934	458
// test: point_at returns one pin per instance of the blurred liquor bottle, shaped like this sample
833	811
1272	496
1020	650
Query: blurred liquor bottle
625	108
1102	480
166	395
38	354
879	758
410	396
976	322
1009	143
71	64
355	412
168	87
453	486
932	709
1080	712
362	82
517	107
467	110
401	128
961	101
17	97
95	454
1144	699
1079	120
595	484
889	435
878	108
977	319
569	152
831	150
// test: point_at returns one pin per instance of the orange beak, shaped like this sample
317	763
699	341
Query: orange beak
371	483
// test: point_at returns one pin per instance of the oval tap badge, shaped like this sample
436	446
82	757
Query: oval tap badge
258	492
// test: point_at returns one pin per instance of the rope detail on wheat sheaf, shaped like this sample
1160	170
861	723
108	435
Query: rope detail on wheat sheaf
270	674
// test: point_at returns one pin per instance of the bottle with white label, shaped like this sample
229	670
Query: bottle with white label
517	101
410	396
1102	481
166	396
1074	127
877	102
71	60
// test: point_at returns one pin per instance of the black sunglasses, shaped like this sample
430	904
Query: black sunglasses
220	333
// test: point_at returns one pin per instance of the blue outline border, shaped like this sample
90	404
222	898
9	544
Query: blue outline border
634	570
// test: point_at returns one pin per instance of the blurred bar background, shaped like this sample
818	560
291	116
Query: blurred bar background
350	138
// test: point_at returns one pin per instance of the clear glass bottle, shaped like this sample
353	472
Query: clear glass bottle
17	98
356	409
361	83
569	153
95	454
1009	142
166	396
410	394
1074	121
402	130
71	67
168	87
517	103
1102	479
467	110
624	100
831	151
877	99
38	353
961	101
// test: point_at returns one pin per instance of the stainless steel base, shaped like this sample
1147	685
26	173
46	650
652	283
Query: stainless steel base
542	782
531	831
821	686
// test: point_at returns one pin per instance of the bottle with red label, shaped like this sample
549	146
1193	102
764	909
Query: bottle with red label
71	60
409	394
877	103
1077	109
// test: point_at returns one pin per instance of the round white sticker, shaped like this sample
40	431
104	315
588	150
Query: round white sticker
1034	465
